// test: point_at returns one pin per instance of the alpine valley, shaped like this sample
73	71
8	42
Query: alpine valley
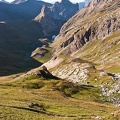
60	61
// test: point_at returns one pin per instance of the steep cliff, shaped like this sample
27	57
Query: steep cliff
97	21
52	18
49	24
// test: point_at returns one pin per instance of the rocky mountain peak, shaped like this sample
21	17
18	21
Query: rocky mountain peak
45	10
83	27
64	9
54	16
65	1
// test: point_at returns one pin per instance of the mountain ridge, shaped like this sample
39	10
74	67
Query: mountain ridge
90	28
24	33
86	51
22	11
81	79
53	17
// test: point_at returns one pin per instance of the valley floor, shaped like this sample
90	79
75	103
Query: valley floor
16	95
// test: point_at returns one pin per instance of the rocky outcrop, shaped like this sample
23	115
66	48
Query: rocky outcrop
39	52
97	21
76	73
112	90
49	24
41	72
52	18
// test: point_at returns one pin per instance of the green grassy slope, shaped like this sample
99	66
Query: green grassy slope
104	54
55	97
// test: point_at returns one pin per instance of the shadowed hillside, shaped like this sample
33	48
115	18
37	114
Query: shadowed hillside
20	35
17	41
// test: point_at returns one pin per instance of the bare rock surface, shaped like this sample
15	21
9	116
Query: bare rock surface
98	20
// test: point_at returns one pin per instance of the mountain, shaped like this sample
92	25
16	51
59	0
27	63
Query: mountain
20	35
17	41
52	18
50	25
24	11
80	82
86	51
87	26
64	10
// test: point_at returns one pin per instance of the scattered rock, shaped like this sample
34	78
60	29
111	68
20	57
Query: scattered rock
96	117
36	106
114	76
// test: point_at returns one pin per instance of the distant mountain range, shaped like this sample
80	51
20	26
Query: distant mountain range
54	16
22	24
23	11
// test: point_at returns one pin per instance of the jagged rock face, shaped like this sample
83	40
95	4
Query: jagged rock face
97	4
39	72
91	23
49	24
52	18
64	10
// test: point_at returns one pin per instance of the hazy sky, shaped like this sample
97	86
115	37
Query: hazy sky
52	1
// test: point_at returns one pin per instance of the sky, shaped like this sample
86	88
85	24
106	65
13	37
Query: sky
52	1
